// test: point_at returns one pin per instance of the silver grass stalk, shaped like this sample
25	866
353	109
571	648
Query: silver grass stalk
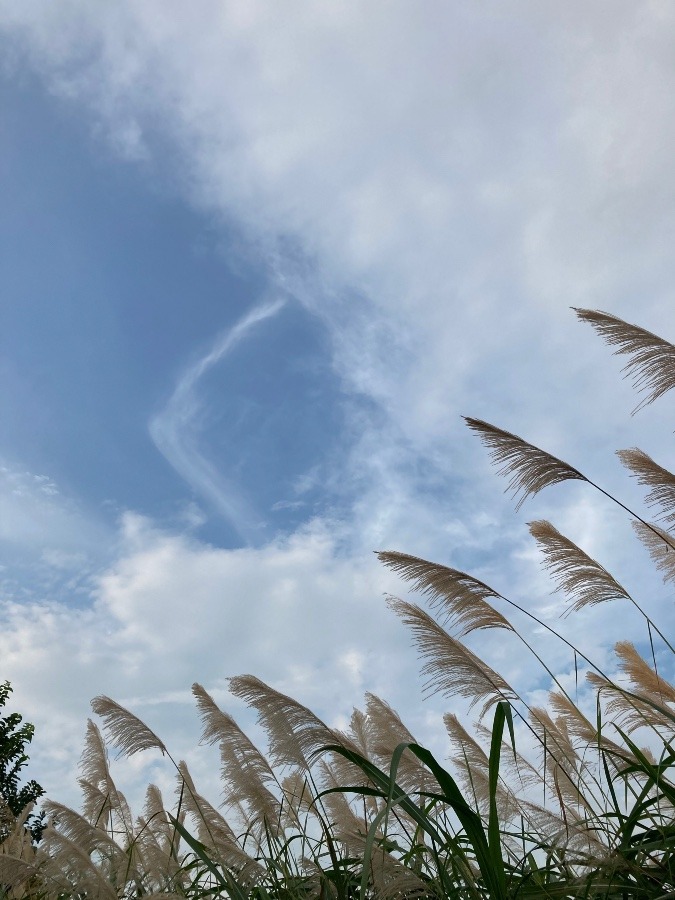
530	468
103	805
117	864
660	481
390	877
349	826
581	578
96	804
394	879
651	363
167	895
570	836
68	866
567	775
477	784
387	732
345	817
359	732
579	726
246	792
158	865
297	793
462	596
450	666
386	727
15	873
154	810
215	832
518	766
293	731
213	827
643	678
130	735
77	829
630	712
156	846
467	750
359	736
298	800
121	817
219	727
470	759
18	839
659	544
286	747
127	732
245	772
98	788
94	759
556	732
150	854
312	873
155	821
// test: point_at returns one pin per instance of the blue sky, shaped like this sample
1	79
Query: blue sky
256	263
119	290
116	288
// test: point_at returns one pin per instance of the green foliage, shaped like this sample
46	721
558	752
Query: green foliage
14	736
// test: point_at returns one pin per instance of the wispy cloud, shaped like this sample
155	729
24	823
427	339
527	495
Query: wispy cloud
50	544
176	429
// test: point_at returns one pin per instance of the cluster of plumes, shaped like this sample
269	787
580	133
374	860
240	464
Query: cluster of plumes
276	800
278	797
270	801
650	358
309	813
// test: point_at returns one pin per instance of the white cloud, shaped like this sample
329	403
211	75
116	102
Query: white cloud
49	543
469	171
170	611
34	513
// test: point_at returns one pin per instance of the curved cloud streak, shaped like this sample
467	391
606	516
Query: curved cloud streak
175	430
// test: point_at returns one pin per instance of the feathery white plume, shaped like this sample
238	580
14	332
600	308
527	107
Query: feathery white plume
530	468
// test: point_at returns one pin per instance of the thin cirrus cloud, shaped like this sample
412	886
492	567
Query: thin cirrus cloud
176	429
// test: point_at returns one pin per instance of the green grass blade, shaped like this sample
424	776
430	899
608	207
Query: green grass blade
502	714
452	796
226	883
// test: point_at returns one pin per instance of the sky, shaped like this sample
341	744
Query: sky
257	260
